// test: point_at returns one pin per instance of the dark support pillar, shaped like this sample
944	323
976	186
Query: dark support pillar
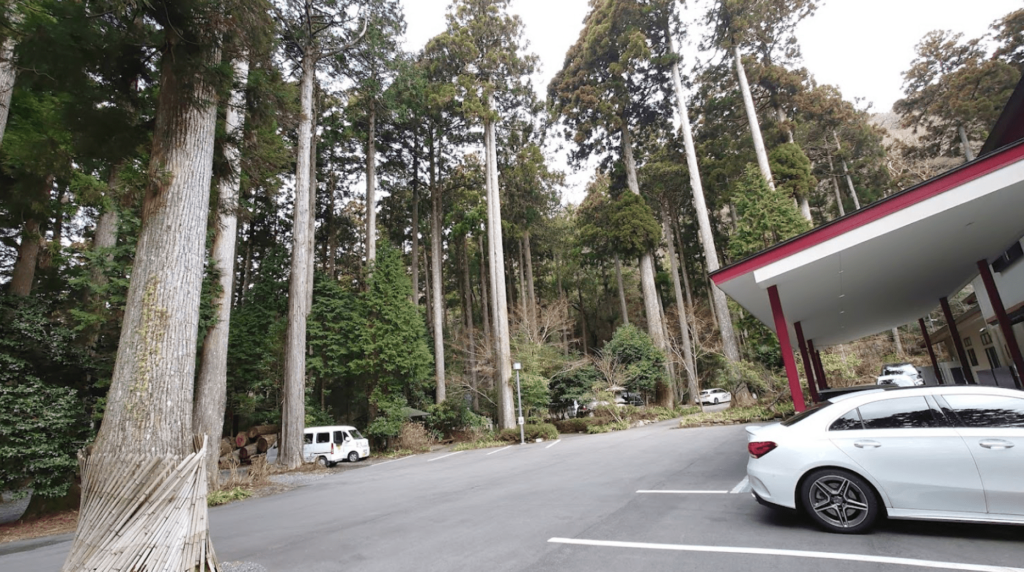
782	331
931	351
819	370
808	368
965	365
1004	320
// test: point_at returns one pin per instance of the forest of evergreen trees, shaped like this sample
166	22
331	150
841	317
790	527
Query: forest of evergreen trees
219	213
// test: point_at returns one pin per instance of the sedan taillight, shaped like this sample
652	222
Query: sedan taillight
759	449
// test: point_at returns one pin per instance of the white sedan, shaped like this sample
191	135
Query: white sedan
715	396
952	453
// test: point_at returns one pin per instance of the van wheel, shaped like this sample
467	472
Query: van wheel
353	457
321	462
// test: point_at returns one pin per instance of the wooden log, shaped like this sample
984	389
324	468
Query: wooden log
230	458
265	442
242	439
245	452
226	446
257	430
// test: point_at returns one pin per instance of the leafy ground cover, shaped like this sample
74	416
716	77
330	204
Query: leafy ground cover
736	415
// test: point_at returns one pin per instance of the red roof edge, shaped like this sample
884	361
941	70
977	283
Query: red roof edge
879	209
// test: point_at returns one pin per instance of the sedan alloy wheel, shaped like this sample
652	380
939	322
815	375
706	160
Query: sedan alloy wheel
839	501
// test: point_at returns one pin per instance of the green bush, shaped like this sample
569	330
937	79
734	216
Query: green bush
40	429
577	425
533	432
738	415
643	362
452	415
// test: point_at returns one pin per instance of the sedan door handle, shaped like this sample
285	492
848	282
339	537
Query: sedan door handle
995	444
867	444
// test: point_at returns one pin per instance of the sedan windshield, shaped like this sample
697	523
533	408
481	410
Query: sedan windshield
805	414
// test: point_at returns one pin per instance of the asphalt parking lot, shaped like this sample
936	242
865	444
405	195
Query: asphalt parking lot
654	499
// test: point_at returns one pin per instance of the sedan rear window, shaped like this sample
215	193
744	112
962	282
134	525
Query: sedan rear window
902	413
805	414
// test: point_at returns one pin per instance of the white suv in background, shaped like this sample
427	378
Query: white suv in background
715	396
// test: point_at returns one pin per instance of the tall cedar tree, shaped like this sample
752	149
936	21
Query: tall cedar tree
954	93
485	44
313	30
613	88
149	408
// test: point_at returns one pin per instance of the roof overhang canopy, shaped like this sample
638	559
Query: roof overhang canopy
889	263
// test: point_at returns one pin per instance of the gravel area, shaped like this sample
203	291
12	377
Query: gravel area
241	567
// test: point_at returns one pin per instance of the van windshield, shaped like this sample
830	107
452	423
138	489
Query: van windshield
356	434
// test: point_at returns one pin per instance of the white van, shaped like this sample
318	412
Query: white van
328	445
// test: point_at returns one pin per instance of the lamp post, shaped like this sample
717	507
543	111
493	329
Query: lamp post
522	430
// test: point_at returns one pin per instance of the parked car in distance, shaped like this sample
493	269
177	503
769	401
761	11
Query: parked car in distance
715	396
899	380
947	453
328	445
907	369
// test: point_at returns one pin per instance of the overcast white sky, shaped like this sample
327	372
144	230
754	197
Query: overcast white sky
861	46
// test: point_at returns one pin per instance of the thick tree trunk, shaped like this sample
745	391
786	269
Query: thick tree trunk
435	276
689	365
805	208
583	316
314	139
654	324
678	237
896	340
521	281
965	144
212	384
8	72
293	409
622	291
719	306
485	297
531	291
415	256
24	273
846	171
835	187
148	417
467	296
428	301
331	258
502	343
652	302
781	115
371	189
104	239
755	128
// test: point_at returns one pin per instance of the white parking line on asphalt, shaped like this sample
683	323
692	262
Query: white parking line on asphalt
682	492
792	553
557	441
500	450
742	487
443	456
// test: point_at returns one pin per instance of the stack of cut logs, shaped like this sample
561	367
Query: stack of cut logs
247	444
